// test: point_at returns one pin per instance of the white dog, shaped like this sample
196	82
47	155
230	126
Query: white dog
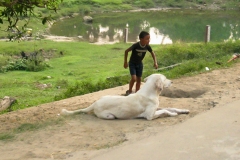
142	104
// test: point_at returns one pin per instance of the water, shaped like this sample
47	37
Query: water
165	27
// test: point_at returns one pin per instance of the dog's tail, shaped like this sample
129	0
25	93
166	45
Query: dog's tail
84	110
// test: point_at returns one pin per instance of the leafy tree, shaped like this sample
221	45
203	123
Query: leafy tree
12	11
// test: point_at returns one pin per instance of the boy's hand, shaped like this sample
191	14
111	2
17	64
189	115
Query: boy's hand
155	65
125	65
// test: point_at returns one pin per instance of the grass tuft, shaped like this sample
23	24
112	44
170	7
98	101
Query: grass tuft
6	136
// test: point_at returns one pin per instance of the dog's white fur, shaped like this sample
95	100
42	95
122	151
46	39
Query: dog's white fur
143	104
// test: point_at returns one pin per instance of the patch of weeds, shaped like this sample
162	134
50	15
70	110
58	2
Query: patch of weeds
109	145
25	65
45	77
36	126
6	136
70	73
62	83
27	127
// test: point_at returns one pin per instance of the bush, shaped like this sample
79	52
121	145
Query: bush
84	87
19	64
34	63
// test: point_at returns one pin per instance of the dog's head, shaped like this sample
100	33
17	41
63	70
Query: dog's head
159	81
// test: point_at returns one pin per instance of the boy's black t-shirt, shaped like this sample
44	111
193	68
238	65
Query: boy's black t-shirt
138	52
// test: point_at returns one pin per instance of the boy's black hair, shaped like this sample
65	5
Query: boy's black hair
143	34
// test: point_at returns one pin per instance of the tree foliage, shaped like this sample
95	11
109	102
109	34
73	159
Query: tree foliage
12	11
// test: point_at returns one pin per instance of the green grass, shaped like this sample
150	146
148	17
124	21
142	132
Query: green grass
80	62
195	57
6	136
85	68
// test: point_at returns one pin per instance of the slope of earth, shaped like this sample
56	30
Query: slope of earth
85	132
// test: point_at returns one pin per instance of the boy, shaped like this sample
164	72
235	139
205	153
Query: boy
135	64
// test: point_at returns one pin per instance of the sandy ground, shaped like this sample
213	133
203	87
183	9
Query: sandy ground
85	132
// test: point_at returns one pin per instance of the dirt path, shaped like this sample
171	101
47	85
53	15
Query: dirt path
85	132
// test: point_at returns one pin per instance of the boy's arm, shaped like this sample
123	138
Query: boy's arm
154	59
125	65
234	56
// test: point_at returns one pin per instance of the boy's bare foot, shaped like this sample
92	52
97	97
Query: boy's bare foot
128	92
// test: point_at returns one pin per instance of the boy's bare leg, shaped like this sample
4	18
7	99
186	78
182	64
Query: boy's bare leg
138	84
131	83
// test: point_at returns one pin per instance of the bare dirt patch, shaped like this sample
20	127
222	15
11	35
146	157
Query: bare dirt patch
85	132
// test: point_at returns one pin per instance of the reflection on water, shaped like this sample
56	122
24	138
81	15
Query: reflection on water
158	38
233	32
164	27
103	36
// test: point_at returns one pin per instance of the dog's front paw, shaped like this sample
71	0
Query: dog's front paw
185	111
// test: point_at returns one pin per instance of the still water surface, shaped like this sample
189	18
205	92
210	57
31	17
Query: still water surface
165	27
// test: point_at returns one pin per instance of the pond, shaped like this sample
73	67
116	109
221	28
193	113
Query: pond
164	26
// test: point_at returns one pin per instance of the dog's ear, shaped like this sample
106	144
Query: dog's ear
159	84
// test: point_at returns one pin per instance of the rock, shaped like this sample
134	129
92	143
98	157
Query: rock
87	19
6	102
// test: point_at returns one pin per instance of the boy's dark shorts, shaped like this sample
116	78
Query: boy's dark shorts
136	69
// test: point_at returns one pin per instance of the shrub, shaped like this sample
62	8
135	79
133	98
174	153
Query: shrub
33	63
84	87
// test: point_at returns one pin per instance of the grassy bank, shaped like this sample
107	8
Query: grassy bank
76	68
78	61
124	5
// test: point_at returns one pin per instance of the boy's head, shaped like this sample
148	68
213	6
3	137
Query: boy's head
144	38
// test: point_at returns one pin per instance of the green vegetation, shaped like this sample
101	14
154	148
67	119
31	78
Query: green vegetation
109	145
32	127
195	57
83	68
78	62
6	136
